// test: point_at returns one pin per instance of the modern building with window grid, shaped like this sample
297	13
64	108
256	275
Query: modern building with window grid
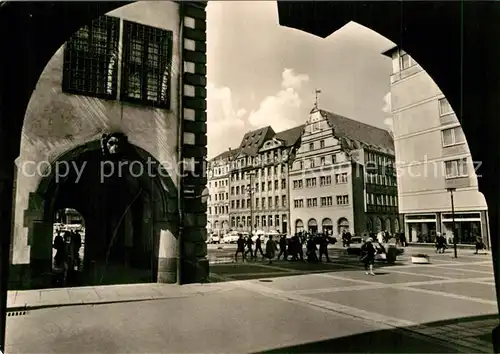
343	178
433	156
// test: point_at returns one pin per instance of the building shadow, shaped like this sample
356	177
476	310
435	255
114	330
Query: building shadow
469	334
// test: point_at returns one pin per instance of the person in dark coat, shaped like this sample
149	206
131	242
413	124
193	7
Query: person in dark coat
258	247
249	247
60	265
240	248
312	257
283	250
368	252
479	244
271	249
76	240
323	248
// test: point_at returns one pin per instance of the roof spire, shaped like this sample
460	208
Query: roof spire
318	91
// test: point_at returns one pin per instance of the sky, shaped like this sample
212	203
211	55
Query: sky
260	73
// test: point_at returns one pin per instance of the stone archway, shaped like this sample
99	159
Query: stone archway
388	226
299	226
131	226
378	224
396	225
342	224
312	226
369	225
327	226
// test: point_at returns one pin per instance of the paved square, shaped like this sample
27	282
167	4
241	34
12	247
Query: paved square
481	291
384	276
408	305
303	282
445	272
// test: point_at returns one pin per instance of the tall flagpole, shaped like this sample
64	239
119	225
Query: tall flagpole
316	104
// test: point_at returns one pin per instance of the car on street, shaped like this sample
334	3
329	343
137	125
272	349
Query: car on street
354	248
233	236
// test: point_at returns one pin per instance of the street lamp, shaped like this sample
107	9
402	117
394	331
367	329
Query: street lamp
451	190
250	191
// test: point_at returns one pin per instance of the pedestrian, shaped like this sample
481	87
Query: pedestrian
439	243
258	247
271	249
76	239
348	238
249	247
368	256
312	257
240	248
479	244
380	237
283	250
60	265
323	248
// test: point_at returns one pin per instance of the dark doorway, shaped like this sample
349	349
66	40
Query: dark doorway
119	243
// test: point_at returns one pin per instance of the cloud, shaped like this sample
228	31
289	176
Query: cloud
389	122
290	80
387	103
224	120
279	110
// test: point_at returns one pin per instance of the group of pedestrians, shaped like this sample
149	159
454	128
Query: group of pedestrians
289	248
245	246
67	258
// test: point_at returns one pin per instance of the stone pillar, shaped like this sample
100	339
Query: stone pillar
194	151
167	254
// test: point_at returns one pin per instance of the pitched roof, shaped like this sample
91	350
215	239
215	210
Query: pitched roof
365	133
253	140
290	136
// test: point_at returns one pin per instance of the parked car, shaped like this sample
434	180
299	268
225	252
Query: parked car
233	236
354	248
215	239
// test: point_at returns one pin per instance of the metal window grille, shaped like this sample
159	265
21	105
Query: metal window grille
146	64
91	59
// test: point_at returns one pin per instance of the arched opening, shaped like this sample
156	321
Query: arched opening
327	226
216	225
388	225
378	224
369	225
396	226
342	224
69	242
418	42
312	226
225	225
120	217
299	226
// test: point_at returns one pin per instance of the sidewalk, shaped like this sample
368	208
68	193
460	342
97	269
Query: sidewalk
92	295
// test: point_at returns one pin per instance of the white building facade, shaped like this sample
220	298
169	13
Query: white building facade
433	160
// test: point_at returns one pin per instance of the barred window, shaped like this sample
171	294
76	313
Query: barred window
91	59
146	65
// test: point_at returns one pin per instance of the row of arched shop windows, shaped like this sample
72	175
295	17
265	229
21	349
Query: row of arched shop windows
327	225
216	225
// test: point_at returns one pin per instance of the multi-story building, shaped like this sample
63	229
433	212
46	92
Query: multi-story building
434	159
259	180
218	200
343	177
